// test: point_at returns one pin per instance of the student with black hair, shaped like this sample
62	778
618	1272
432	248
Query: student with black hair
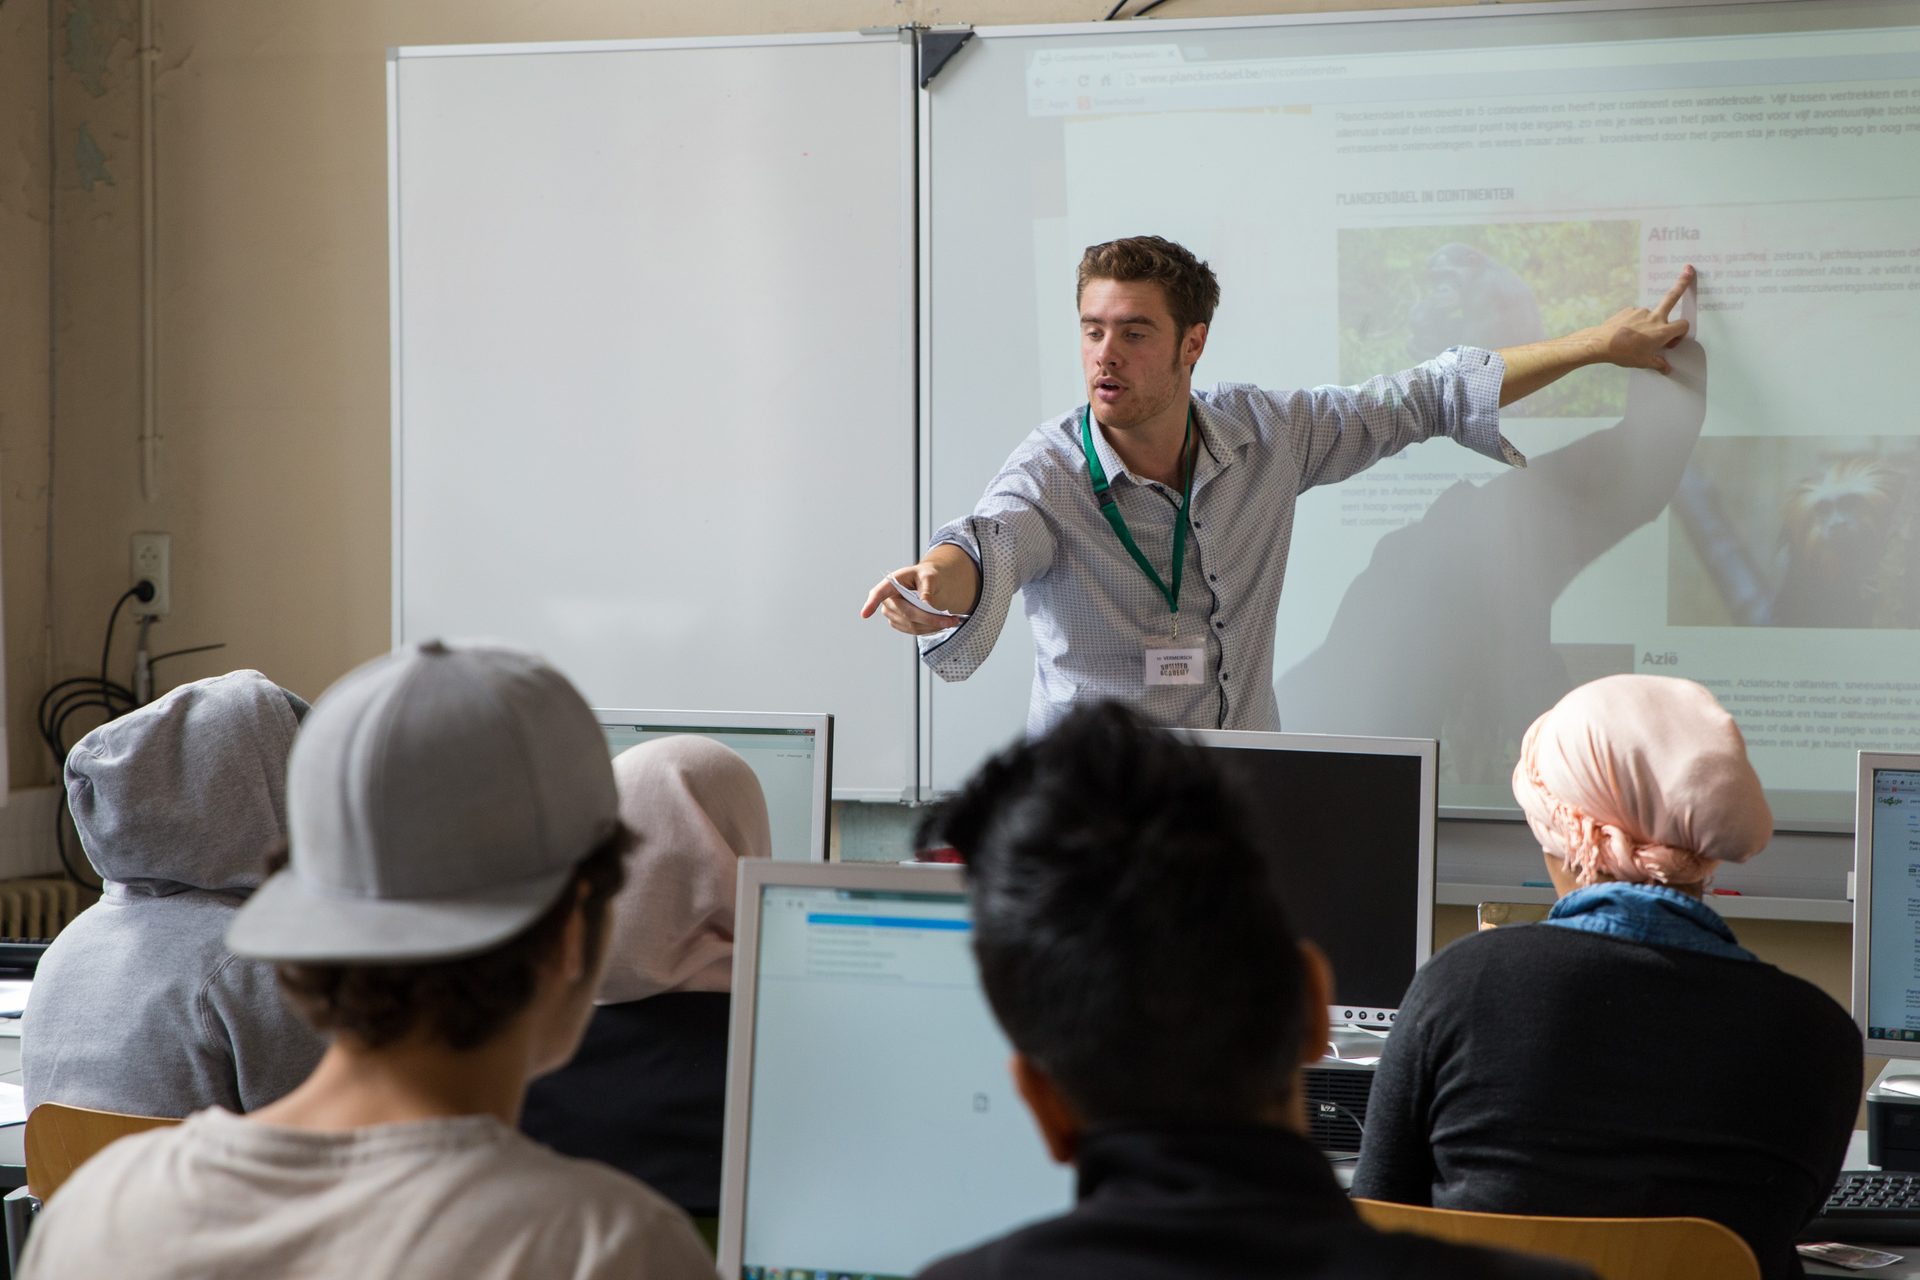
1135	952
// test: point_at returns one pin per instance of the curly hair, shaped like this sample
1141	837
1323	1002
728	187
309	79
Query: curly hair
463	1002
1188	283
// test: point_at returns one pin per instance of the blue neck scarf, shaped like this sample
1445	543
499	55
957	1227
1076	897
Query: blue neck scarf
1649	913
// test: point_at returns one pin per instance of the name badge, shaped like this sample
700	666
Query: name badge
1176	664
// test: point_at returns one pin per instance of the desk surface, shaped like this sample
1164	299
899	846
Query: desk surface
13	1173
1908	1268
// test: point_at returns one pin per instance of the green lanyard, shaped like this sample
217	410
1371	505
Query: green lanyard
1111	510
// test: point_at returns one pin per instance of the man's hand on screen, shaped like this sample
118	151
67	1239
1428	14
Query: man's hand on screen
1634	338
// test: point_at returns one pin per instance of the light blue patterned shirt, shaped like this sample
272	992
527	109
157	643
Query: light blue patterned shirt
1039	528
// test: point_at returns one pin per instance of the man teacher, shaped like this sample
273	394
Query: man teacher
1150	528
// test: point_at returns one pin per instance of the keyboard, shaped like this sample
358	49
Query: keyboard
19	957
1880	1207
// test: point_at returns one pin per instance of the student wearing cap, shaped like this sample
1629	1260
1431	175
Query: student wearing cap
647	1090
1626	1057
454	842
1134	950
138	1006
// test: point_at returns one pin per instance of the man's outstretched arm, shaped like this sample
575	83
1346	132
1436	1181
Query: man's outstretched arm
1632	339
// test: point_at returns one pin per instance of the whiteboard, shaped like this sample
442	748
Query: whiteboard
653	399
1322	163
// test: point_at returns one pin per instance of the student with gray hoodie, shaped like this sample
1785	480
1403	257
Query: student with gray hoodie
138	1006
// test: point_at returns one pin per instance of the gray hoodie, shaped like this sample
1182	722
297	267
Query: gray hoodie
138	1006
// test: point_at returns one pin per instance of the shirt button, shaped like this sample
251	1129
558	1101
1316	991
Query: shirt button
1220	625
1223	677
1213	577
1196	524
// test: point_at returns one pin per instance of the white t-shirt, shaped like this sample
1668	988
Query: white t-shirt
219	1197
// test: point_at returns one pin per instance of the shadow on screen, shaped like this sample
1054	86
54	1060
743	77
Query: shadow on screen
1447	631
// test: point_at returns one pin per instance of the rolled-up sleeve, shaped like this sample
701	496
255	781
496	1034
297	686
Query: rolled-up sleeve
1012	541
1337	432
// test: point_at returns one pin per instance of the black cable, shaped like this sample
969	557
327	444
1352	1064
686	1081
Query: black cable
144	590
68	698
1148	8
43	719
1117	7
113	702
153	684
88	689
158	658
60	723
1327	1108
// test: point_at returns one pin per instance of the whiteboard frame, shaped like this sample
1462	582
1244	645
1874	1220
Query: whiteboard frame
1344	18
908	248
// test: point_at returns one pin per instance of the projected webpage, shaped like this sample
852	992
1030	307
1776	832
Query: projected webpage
1893	985
884	1129
783	761
1754	525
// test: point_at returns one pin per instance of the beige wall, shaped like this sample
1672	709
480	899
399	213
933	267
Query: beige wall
25	348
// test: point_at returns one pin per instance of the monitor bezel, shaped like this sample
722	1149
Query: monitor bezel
693	721
1427	752
756	877
1871	762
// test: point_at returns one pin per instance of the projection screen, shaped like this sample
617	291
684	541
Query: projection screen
1371	191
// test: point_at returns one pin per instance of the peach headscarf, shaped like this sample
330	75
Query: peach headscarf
1641	778
695	809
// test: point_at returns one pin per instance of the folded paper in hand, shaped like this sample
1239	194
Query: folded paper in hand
912	597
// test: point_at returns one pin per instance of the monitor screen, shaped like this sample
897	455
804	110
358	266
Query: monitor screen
1887	904
1348	827
789	754
872	1122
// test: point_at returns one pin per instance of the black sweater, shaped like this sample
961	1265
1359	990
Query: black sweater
1548	1070
1231	1203
646	1093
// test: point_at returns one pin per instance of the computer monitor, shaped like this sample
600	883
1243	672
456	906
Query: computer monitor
1886	903
1348	827
872	1123
792	755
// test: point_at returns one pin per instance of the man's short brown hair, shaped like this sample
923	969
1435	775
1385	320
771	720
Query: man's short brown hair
460	1003
1192	292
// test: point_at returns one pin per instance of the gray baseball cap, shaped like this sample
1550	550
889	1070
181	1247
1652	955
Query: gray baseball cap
438	801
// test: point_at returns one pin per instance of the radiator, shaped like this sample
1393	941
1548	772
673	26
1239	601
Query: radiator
41	907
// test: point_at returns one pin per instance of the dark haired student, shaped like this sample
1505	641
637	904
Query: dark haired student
1149	527
1136	954
454	843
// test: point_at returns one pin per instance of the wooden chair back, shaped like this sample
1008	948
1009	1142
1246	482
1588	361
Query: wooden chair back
1616	1248
60	1139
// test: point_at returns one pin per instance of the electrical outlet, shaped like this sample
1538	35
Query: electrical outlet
153	560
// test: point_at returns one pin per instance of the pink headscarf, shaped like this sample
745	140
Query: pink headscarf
1644	779
696	809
